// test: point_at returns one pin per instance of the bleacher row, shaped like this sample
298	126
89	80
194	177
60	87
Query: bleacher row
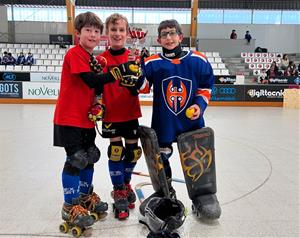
49	58
259	61
32	68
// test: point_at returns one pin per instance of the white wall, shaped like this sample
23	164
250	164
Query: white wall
3	24
283	38
276	38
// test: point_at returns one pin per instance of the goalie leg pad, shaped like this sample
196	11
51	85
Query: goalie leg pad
196	149
79	159
93	154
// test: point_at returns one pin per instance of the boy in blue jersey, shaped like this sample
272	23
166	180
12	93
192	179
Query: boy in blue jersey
181	80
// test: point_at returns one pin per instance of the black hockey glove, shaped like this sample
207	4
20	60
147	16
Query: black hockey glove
127	73
95	65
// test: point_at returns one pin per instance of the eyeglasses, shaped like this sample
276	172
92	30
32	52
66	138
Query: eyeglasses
165	34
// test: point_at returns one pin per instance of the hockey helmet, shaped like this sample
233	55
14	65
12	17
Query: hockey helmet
164	214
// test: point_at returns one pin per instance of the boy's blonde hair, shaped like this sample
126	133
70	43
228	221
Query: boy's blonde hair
88	19
112	19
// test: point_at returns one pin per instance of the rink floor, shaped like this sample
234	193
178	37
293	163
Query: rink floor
257	159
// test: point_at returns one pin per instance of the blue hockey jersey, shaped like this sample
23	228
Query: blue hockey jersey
177	84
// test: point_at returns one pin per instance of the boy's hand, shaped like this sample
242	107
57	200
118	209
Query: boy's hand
97	65
193	112
127	73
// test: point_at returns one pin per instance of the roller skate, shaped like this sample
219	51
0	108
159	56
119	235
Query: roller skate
131	197
77	219
207	206
120	205
93	204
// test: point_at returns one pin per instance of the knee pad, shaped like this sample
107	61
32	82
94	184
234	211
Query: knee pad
115	152
93	154
133	154
79	159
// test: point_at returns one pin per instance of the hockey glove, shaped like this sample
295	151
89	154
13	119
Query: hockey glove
97	65
96	112
127	73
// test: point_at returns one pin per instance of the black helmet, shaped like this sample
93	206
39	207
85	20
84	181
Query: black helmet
164	214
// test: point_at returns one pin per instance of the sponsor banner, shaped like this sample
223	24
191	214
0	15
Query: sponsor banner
225	79
221	92
45	77
264	93
14	76
285	80
40	90
61	39
10	89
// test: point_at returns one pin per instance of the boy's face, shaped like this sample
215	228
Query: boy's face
89	37
117	34
169	38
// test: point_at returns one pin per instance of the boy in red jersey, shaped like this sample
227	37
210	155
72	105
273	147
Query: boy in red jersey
72	128
122	110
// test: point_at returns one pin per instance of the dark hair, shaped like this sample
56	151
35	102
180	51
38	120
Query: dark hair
169	24
88	19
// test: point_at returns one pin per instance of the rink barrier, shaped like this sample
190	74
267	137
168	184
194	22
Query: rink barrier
15	92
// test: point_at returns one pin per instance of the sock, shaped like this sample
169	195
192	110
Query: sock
86	178
128	164
70	185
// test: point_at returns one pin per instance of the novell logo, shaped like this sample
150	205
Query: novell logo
39	90
43	91
253	93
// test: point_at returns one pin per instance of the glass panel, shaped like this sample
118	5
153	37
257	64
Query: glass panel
290	17
237	16
266	17
210	16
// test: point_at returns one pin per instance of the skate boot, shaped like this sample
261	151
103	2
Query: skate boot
93	204
120	205
77	219
131	197
207	206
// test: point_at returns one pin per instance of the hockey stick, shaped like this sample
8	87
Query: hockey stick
139	192
147	175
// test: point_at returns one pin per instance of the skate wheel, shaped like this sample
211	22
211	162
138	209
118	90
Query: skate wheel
102	215
95	216
131	205
76	231
64	228
123	215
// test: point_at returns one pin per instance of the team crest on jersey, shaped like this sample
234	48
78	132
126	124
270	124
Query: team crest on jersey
176	93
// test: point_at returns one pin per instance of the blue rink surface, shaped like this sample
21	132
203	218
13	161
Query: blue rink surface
257	161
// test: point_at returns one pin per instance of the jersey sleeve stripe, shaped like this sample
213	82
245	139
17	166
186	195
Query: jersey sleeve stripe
152	58
204	93
199	55
145	88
